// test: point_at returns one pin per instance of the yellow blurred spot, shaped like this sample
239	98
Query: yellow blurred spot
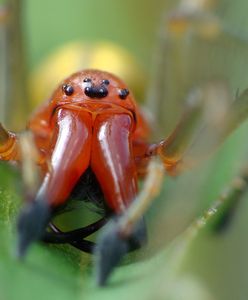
178	26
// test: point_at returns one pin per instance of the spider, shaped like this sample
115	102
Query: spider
93	140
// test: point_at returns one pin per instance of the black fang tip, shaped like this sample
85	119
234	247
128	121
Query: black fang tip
110	249
31	225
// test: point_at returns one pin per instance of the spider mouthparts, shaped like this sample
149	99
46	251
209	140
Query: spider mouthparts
31	225
110	249
112	246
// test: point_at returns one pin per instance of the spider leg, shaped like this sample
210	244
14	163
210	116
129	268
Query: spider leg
127	232
186	53
231	199
9	149
198	133
186	36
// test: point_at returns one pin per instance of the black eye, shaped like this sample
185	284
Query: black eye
103	92
96	92
105	81
87	79
123	93
67	89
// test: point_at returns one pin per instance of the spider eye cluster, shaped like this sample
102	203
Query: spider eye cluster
96	92
67	89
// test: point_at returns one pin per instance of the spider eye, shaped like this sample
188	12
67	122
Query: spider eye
106	81
67	89
87	79
123	93
96	92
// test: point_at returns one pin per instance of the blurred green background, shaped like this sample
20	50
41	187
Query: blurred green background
215	265
131	24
